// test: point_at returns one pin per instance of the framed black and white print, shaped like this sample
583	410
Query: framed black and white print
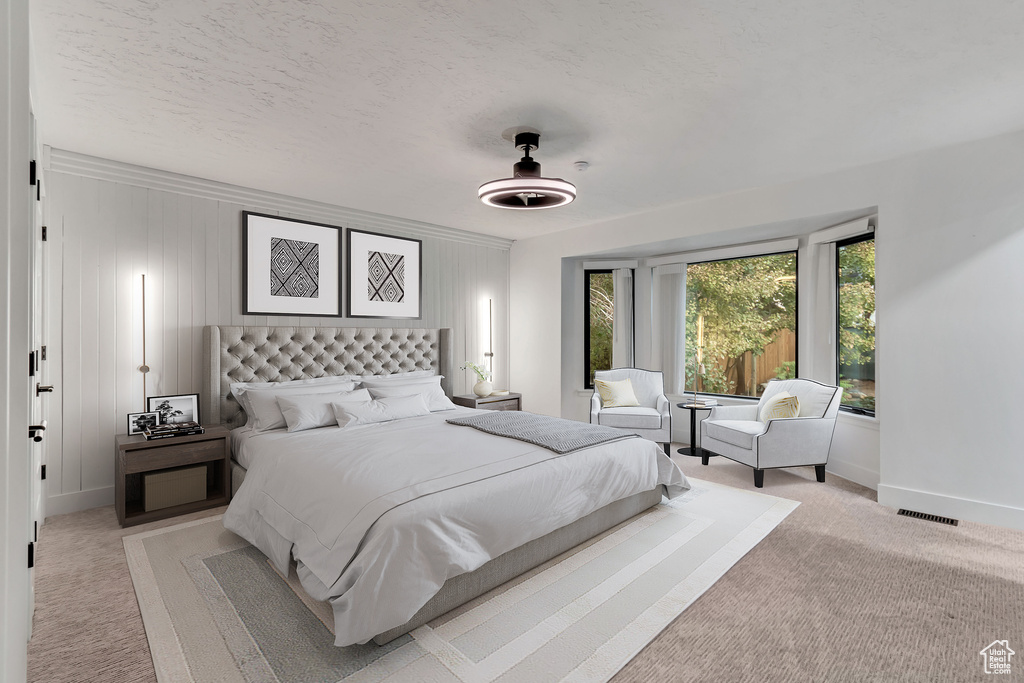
384	275
139	422
175	409
290	267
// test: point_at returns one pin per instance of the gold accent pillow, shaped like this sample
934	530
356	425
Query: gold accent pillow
780	405
616	394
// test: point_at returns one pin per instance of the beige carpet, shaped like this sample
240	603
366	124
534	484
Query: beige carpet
842	590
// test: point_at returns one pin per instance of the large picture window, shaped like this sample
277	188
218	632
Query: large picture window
741	319
599	314
855	289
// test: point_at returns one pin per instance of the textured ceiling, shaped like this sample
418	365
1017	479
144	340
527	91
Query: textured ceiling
398	107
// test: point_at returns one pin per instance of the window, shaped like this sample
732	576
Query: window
599	314
741	321
855	302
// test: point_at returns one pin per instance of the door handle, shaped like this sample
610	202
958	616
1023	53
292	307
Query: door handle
33	431
40	388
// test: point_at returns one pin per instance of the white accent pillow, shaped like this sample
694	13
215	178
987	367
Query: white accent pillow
263	410
380	410
616	394
433	394
780	406
309	411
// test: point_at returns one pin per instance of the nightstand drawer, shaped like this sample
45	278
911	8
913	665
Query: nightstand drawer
173	455
509	404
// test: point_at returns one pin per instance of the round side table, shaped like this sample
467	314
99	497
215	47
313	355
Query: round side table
693	450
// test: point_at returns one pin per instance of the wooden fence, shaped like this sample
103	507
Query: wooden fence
750	371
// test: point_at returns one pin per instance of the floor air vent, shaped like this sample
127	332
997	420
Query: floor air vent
931	518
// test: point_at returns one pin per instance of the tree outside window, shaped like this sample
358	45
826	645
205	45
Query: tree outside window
741	323
600	316
855	287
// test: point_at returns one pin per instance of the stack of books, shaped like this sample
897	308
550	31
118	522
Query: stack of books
704	402
175	429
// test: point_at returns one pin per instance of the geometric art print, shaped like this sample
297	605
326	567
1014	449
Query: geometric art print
294	268
385	280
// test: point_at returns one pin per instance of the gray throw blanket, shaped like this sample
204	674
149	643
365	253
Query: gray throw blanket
553	433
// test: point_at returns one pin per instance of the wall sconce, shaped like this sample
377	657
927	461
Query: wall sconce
144	369
489	355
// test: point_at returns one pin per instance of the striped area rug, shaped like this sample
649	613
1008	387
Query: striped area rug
215	609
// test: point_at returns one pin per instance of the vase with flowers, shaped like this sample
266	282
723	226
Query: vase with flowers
483	387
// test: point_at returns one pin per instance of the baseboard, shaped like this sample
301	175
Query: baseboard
855	473
951	506
79	500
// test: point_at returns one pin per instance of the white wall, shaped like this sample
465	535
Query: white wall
111	222
948	287
15	226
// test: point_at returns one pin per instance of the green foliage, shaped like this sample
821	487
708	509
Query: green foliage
786	371
744	303
857	303
602	314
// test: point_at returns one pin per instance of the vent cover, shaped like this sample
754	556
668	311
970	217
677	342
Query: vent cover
931	518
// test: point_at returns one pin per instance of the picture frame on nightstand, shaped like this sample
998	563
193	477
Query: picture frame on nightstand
139	422
178	408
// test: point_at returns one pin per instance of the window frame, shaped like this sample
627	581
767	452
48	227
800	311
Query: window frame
587	383
796	315
856	239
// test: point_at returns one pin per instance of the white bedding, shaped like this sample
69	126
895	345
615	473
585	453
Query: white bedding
378	517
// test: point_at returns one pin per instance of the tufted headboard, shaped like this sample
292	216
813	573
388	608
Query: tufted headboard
278	354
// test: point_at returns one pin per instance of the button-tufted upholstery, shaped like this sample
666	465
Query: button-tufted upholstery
280	354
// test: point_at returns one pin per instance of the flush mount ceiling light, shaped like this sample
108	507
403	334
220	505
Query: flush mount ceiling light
526	189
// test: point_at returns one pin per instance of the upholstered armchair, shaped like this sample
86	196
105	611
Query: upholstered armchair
737	433
651	419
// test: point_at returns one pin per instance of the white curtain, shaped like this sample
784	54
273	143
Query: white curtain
622	321
668	319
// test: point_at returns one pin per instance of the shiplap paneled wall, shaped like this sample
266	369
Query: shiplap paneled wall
111	223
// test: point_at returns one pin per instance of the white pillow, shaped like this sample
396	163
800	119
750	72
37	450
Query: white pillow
263	410
309	411
414	377
433	394
239	388
380	410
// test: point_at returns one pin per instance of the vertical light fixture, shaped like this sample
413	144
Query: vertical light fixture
490	340
144	369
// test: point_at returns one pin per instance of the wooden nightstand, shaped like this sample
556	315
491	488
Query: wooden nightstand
136	457
506	402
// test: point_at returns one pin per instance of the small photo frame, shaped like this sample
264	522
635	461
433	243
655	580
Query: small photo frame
385	275
139	422
175	409
290	267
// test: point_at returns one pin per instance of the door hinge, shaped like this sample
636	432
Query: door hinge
32	172
44	352
44	472
44	233
35	527
39	189
32	364
31	555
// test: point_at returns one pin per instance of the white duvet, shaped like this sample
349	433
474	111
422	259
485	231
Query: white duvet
378	517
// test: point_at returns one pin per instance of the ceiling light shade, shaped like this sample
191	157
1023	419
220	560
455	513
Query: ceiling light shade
526	189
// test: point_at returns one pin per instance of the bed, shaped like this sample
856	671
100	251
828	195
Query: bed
385	578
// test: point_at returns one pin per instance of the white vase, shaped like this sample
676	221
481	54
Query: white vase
483	388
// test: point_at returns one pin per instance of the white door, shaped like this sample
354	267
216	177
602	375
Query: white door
38	384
